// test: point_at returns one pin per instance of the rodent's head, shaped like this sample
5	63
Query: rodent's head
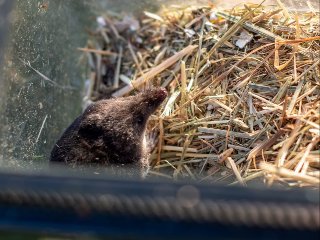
119	124
146	103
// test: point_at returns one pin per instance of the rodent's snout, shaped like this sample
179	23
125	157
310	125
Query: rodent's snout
161	94
153	98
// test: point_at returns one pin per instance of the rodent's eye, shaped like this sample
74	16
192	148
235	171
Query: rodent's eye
90	131
140	119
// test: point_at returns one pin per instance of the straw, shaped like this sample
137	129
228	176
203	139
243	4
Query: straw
235	112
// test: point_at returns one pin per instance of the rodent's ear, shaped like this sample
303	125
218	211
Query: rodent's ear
90	129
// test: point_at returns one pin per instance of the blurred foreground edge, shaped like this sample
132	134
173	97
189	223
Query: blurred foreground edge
71	205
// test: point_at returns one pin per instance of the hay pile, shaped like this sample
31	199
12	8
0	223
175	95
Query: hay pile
243	89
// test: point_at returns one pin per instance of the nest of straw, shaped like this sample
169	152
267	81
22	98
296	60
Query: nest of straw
243	89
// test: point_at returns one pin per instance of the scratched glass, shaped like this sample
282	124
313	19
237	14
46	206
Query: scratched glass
41	76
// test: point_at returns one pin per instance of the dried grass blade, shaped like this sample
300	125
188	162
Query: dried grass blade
235	171
283	172
154	71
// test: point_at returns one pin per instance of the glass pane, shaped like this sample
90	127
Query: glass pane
42	76
41	80
43	73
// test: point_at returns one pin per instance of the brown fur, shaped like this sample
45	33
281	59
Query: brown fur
110	133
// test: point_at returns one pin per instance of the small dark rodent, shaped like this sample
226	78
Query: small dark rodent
110	133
